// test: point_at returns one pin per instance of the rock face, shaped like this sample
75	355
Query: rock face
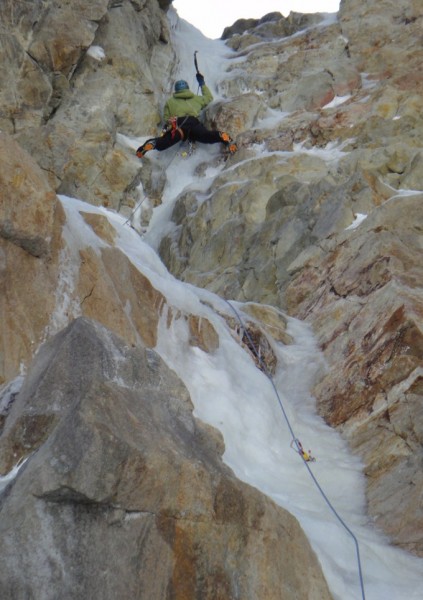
114	454
282	205
27	224
363	295
125	494
274	226
272	25
49	277
66	103
327	115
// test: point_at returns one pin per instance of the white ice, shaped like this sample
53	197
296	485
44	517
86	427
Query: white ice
96	52
6	479
358	219
337	101
230	393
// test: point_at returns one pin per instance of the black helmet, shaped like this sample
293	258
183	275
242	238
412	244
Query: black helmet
181	85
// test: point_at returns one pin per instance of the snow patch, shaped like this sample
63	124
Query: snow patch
358	218
9	393
6	479
329	153
96	52
337	101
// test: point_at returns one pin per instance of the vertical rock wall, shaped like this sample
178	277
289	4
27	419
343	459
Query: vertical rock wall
76	74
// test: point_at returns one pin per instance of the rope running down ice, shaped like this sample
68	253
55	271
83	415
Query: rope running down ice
328	502
134	211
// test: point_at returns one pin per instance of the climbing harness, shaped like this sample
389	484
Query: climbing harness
175	128
299	448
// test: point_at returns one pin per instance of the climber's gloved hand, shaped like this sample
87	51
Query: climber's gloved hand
200	79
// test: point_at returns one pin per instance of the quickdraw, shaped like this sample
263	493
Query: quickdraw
300	450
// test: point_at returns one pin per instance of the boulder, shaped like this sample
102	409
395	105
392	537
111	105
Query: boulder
238	114
124	493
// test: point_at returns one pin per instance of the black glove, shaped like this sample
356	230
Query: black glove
200	79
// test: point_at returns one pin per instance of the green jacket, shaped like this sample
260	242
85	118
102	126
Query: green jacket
187	104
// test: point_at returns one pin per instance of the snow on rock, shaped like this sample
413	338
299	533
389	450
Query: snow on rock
96	52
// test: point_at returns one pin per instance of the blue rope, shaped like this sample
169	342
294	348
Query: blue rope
328	502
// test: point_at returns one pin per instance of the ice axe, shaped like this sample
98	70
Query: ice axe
195	62
198	75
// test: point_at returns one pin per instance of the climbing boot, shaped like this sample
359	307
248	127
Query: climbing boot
228	141
146	147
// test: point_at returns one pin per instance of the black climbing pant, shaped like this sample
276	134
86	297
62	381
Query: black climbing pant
192	130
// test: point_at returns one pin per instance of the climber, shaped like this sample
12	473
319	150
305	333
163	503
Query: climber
299	448
181	115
